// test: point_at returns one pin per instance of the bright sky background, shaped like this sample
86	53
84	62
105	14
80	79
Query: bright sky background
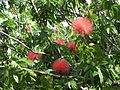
88	1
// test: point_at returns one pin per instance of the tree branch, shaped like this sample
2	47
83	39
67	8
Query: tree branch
14	39
40	72
33	4
10	47
111	42
45	73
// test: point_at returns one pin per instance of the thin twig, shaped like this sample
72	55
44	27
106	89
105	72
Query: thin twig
48	74
35	8
67	20
111	42
40	72
10	47
14	39
33	4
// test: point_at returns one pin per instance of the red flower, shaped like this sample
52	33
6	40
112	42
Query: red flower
72	46
28	28
82	25
32	56
61	66
60	41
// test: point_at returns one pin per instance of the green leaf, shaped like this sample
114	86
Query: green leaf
32	79
16	78
31	73
117	68
1	88
100	74
10	23
95	73
73	84
114	74
94	17
2	15
14	64
103	62
49	70
28	62
9	51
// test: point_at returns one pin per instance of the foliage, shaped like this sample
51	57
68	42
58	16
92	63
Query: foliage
96	62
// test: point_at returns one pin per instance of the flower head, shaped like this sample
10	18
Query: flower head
61	66
72	46
32	56
60	41
82	25
28	28
13	9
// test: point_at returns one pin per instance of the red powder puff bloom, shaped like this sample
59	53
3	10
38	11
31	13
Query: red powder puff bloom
82	25
72	46
61	66
32	56
28	28
60	41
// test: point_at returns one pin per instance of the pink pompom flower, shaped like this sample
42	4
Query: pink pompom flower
82	25
28	28
60	41
61	66
32	56
72	46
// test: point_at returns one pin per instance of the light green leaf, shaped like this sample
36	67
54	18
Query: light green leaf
14	64
49	70
114	74
2	15
73	84
95	73
32	79
28	62
100	74
16	78
117	68
31	73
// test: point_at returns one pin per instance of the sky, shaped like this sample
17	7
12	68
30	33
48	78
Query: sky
88	1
